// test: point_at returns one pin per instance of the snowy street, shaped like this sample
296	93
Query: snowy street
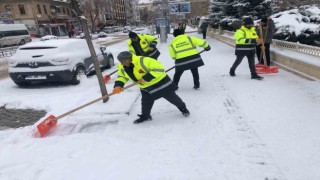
239	129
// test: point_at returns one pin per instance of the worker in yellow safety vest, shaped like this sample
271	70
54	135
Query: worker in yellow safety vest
183	49
246	38
143	45
152	79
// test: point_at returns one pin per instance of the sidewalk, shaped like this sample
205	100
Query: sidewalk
239	128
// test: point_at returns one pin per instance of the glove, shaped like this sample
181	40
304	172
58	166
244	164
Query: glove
117	90
259	40
207	48
141	81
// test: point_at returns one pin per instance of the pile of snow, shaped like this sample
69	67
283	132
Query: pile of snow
299	25
298	21
48	37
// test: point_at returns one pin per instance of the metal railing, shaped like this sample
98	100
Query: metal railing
302	48
8	51
306	49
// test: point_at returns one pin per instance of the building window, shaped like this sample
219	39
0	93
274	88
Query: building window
45	9
68	11
63	10
21	9
39	9
58	10
8	8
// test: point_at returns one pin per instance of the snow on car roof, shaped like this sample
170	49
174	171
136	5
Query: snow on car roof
55	43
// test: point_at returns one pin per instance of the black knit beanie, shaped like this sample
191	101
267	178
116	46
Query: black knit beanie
247	21
132	34
176	32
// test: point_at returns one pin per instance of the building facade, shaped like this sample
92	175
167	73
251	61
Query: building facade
198	8
42	17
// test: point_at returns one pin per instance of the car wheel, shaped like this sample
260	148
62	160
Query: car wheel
80	71
22	42
111	62
22	84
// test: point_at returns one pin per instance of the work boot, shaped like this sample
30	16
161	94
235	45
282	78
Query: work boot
184	111
142	118
196	87
232	73
256	76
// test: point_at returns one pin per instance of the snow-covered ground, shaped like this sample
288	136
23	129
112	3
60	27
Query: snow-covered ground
239	128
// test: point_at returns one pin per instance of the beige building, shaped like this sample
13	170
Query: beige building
42	17
198	8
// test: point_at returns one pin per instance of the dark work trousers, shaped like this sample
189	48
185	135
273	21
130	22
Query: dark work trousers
204	34
147	102
195	74
250	62
260	56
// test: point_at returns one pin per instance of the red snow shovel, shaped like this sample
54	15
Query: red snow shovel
107	78
263	68
52	121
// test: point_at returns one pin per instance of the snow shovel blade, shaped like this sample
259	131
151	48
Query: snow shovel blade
106	78
266	69
46	125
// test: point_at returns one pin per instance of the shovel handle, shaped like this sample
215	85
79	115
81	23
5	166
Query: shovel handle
112	72
92	102
98	99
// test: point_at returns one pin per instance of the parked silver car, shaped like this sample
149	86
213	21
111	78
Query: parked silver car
57	60
108	30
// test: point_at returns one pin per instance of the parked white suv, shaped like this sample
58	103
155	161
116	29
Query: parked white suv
55	60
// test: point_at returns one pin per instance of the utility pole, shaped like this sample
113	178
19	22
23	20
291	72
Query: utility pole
83	22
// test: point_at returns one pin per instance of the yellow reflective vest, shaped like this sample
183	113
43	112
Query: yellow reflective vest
245	40
143	66
183	49
145	42
183	46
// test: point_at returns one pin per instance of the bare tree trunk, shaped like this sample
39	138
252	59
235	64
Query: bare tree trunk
84	25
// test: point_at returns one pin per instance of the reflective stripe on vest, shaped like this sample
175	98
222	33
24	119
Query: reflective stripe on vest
147	43
161	87
184	50
248	41
245	49
245	35
204	43
154	52
187	62
142	65
145	68
123	72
